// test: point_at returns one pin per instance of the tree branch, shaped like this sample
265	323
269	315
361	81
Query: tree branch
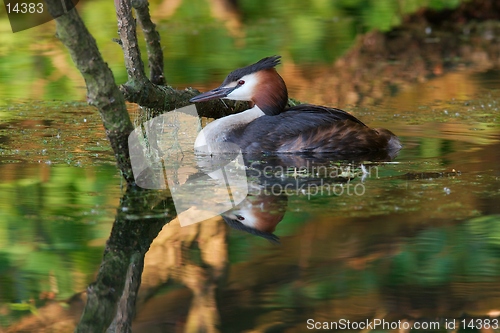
102	92
165	98
139	89
130	45
155	53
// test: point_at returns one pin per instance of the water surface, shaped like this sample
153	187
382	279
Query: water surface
416	239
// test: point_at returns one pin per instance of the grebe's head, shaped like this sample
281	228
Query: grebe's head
258	214
258	83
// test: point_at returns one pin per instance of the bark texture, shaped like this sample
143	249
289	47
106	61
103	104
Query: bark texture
102	91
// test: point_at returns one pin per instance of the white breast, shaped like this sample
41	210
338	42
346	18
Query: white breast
217	131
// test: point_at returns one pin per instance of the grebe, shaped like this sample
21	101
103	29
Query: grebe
258	214
270	127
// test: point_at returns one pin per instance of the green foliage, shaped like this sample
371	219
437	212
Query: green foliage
199	47
443	4
438	256
488	229
46	230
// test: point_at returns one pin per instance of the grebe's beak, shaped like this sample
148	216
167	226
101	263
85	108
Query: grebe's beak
220	92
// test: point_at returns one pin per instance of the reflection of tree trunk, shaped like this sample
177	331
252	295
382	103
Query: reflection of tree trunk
171	257
203	315
203	279
126	305
119	276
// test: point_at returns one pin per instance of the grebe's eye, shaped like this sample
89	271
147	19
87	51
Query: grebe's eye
241	82
240	218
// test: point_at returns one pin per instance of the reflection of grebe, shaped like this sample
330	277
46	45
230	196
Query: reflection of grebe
258	215
271	127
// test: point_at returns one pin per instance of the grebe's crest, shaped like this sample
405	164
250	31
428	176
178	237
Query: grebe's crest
237	74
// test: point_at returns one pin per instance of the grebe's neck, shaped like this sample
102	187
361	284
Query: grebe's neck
271	94
219	130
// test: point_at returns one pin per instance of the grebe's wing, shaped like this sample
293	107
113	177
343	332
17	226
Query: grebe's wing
323	112
313	129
